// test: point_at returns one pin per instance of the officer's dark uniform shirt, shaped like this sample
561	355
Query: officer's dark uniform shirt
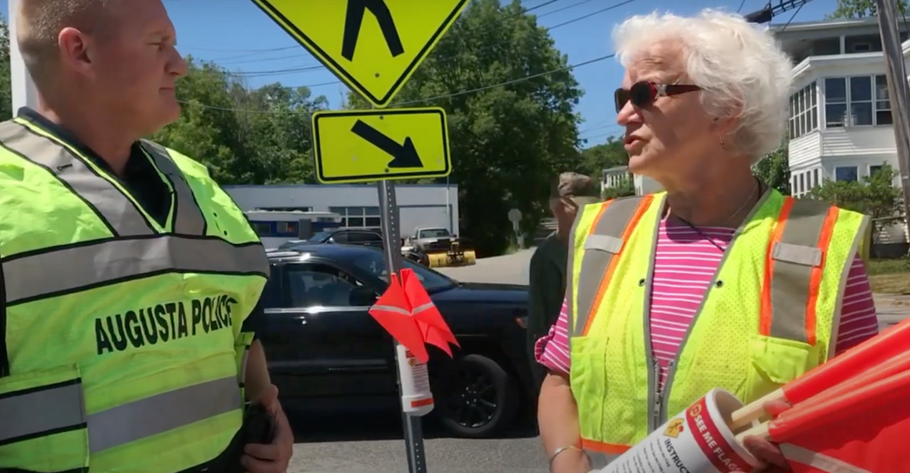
139	178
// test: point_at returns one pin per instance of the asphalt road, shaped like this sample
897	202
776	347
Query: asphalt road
374	443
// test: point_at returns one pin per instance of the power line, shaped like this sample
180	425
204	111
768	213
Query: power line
546	28
792	17
564	8
439	97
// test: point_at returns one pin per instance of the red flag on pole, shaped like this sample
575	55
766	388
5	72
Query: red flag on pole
889	344
406	311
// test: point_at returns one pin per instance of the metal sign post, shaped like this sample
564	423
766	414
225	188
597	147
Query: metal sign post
391	248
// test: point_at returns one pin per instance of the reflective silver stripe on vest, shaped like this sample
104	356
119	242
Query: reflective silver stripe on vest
189	219
601	246
77	267
118	212
161	413
33	412
60	409
794	256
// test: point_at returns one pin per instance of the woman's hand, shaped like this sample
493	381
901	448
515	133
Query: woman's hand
767	453
772	459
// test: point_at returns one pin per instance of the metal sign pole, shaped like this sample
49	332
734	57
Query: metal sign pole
391	247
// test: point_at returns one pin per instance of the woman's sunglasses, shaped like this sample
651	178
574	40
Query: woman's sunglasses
643	94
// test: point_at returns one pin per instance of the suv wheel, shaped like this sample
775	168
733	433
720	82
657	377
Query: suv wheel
476	397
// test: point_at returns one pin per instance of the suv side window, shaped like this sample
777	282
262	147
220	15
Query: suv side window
363	237
341	237
319	285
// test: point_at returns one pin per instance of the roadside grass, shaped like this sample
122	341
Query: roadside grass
889	276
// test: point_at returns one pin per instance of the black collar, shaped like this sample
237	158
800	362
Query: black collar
70	139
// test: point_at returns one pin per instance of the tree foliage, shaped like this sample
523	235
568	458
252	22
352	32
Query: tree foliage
875	196
774	170
861	8
603	156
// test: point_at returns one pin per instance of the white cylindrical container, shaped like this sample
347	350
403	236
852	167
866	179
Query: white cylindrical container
416	397
695	441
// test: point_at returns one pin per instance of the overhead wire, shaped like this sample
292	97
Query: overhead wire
301	69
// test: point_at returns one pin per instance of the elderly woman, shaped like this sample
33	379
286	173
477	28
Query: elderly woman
718	282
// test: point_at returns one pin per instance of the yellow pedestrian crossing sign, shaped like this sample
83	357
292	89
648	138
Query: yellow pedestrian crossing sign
372	145
372	45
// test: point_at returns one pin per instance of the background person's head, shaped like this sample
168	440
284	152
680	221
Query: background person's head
569	192
734	116
115	57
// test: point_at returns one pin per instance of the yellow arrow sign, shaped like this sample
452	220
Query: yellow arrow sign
372	45
370	145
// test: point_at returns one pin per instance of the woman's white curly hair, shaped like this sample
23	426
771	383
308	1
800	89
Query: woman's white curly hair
739	65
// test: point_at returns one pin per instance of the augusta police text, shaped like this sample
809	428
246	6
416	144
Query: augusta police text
162	322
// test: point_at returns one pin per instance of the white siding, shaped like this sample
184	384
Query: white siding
858	141
420	205
804	149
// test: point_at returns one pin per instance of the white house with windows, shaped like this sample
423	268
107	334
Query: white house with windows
840	125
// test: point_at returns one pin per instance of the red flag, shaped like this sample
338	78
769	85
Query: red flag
393	312
860	431
406	311
891	343
434	328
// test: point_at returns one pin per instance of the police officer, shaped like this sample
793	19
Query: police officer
126	272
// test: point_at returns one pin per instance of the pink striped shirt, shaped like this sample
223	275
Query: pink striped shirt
684	266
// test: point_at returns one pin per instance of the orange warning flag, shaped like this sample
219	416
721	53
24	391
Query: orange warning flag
859	431
433	327
406	311
888	345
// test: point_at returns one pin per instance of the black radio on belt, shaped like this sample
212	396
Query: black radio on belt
258	425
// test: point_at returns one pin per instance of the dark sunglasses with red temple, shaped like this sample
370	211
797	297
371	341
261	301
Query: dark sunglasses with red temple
643	94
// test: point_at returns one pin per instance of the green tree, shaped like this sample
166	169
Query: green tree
607	155
875	196
860	8
507	142
6	94
244	136
774	170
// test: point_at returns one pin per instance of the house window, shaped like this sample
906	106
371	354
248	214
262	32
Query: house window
873	170
882	102
802	182
818	177
803	111
845	173
856	101
358	217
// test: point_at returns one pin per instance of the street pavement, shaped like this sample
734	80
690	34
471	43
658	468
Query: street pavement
374	443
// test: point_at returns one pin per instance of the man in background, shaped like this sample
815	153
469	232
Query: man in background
547	287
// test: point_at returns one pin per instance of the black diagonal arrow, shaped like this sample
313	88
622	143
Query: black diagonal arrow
403	155
354	18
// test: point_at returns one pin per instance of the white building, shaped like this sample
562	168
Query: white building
616	176
840	125
423	205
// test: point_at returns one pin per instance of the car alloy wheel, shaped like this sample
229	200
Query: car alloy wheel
478	397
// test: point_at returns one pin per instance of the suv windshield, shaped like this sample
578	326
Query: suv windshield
319	237
372	262
432	233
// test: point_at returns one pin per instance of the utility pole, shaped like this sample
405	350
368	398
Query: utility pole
898	91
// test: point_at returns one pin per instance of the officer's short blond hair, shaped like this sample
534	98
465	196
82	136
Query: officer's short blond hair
39	23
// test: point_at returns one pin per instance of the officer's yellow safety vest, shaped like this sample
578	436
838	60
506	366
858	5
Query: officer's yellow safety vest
770	313
123	343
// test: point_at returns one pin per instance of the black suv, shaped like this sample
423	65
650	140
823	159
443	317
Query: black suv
326	350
